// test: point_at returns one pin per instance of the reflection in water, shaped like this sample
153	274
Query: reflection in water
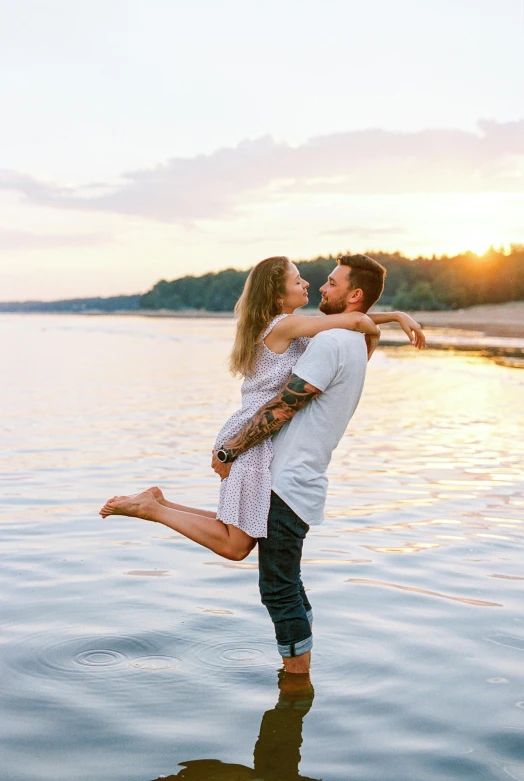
466	600
507	577
276	756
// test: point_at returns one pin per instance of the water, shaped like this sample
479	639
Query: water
128	653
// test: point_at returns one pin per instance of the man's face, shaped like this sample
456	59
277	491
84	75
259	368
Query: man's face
336	291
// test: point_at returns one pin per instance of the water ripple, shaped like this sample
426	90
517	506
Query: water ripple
466	600
508	641
41	655
237	654
515	771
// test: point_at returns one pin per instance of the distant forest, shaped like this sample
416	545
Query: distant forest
419	284
111	304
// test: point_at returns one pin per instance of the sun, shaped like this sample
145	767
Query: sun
477	244
479	248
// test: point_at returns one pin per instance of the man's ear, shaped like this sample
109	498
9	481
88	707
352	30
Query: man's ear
356	296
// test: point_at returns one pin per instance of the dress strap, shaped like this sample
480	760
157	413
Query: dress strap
272	324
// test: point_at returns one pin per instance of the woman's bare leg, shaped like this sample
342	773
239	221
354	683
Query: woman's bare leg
221	538
159	496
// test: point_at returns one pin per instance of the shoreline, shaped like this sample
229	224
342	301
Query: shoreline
494	331
504	320
499	320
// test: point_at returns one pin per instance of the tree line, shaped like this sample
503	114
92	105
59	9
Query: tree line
420	284
79	305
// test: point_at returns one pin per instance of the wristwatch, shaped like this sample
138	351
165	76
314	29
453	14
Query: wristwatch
224	456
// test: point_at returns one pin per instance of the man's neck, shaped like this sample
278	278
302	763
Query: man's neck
352	308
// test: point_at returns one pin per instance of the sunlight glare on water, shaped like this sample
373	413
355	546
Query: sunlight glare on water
129	653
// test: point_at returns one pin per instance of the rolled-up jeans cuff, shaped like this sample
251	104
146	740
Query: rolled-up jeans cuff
296	649
309	614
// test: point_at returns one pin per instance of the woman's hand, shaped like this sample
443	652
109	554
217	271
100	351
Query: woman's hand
413	330
220	468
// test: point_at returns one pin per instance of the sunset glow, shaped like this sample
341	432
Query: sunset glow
144	169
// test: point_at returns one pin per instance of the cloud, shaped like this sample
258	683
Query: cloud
21	240
254	240
363	231
184	190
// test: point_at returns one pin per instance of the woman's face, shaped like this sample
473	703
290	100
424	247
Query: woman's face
295	294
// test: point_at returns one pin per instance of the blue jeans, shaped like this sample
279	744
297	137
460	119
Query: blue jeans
281	587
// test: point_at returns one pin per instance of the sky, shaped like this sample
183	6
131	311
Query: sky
145	141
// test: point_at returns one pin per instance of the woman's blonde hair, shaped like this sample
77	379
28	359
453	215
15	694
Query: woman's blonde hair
255	309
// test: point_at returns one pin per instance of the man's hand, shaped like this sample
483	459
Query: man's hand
413	330
221	469
372	343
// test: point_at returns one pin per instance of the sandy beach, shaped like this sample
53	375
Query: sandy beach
490	319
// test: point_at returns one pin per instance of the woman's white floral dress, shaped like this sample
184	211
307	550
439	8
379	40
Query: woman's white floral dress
245	494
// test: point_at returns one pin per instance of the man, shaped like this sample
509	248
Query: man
310	414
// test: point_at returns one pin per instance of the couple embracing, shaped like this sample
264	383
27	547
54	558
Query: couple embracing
303	378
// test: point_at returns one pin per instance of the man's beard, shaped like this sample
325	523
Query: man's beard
332	307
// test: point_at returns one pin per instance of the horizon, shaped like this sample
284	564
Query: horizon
504	250
163	143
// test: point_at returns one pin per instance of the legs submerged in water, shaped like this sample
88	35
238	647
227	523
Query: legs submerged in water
200	526
281	586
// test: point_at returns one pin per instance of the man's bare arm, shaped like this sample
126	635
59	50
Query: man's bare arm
295	394
372	343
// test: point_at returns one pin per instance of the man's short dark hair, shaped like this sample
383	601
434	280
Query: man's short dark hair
366	274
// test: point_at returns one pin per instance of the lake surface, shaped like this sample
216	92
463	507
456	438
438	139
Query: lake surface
128	653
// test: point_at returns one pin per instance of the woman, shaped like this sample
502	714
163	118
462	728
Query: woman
269	341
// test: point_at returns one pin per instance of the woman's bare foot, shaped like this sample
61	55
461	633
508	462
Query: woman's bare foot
137	506
110	501
159	496
157	493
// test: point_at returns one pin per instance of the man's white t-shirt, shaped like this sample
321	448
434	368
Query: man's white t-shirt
335	363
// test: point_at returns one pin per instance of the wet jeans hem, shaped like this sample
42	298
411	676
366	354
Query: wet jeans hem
296	649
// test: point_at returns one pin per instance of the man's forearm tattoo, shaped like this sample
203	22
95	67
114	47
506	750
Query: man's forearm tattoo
295	394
